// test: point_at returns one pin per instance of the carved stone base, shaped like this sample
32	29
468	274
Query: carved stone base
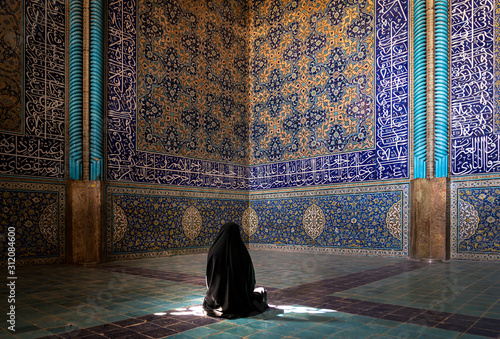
84	222
430	224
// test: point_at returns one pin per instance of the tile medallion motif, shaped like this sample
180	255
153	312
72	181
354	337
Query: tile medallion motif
191	222
48	224
32	113
468	220
37	212
119	223
160	222
475	219
314	221
370	220
475	76
393	220
250	221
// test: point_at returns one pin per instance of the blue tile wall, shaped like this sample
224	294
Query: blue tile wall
475	138
369	220
147	222
37	212
329	92
32	118
372	220
475	219
385	103
149	128
156	135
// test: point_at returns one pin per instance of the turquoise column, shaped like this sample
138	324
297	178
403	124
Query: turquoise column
420	89
75	89
96	83
441	88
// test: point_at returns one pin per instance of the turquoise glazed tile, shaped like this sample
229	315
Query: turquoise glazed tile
283	330
262	325
310	335
471	336
265	335
242	331
224	335
200	332
222	326
407	330
440	333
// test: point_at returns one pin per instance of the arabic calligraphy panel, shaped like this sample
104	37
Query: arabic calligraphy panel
34	147
475	138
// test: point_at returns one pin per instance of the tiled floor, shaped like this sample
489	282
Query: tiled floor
313	296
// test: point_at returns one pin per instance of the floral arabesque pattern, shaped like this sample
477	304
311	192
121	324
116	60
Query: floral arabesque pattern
129	161
311	79
481	234
156	222
192	76
351	221
36	217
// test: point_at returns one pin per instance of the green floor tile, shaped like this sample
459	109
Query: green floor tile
266	324
224	335
407	330
222	326
265	335
200	332
242	331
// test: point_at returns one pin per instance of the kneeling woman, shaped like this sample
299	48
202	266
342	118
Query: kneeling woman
231	278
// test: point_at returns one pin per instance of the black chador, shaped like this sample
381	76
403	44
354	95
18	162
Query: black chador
231	278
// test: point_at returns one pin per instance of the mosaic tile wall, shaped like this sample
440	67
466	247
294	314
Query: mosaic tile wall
475	128
285	87
32	128
37	211
148	222
329	82
177	93
32	113
475	84
475	219
370	220
328	103
302	58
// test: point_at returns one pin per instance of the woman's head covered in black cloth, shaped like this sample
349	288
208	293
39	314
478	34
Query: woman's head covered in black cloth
231	277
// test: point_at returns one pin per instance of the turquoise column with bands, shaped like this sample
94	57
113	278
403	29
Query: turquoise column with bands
441	88
75	89
96	108
420	88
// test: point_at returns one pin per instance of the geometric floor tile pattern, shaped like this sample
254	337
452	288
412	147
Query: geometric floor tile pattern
314	295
